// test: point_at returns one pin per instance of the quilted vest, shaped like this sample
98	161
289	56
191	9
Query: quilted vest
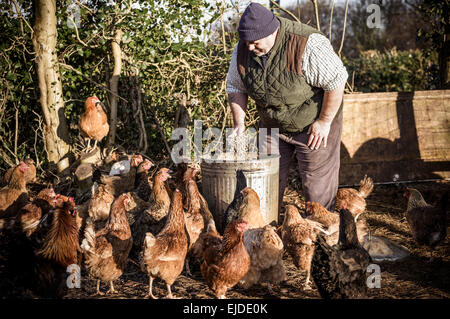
283	97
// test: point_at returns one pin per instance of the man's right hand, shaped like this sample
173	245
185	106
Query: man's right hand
238	130
238	104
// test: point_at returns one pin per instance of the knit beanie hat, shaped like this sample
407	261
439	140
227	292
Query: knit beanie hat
256	23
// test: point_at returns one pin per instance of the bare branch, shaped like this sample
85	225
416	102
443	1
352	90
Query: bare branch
286	11
331	18
343	31
316	13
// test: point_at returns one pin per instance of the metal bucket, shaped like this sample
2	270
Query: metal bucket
219	184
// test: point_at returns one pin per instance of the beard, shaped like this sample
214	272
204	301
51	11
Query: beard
258	53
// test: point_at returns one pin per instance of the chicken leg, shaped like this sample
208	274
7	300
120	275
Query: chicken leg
98	289
307	285
88	142
169	293
150	286
111	289
95	145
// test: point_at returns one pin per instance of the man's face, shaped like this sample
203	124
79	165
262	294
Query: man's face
262	46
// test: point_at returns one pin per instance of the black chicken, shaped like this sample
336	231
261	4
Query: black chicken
232	211
339	271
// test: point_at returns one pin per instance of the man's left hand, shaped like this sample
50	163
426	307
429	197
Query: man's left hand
318	131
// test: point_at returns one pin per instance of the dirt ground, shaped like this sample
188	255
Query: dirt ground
411	278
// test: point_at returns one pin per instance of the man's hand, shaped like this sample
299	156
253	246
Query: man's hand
238	130
238	104
318	131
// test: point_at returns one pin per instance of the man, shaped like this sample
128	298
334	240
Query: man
297	81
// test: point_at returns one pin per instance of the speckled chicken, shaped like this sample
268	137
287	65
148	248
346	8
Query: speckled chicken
106	252
299	237
426	222
339	271
225	261
153	218
100	202
355	200
163	255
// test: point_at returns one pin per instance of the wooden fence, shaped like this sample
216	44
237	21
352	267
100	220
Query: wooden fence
396	136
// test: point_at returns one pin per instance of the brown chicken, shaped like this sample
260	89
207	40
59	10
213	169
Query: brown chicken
225	261
59	250
263	244
28	218
100	202
196	217
426	222
266	249
330	221
30	174
31	214
106	252
143	182
153	218
320	214
353	200
250	209
123	183
298	237
14	195
94	121
163	256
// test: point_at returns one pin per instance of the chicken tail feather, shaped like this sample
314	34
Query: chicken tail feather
88	243
366	186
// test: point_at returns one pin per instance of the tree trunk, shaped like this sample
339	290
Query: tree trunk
56	132
114	84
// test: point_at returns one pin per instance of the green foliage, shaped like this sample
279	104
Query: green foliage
163	54
19	94
392	71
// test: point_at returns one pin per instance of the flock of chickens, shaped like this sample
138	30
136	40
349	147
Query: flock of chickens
164	224
159	220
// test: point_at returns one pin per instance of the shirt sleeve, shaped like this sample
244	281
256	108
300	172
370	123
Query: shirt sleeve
321	65
234	81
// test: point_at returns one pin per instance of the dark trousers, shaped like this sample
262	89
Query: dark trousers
319	169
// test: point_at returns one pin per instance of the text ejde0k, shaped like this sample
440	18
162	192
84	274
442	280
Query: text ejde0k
233	309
